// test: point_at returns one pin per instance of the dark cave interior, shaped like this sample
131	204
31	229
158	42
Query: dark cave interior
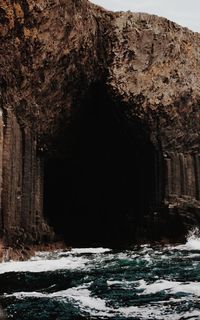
102	180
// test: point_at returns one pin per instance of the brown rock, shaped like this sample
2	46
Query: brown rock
51	53
2	316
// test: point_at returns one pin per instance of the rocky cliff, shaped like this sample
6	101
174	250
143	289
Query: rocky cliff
131	81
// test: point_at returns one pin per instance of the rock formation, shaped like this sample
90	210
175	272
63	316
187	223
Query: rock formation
141	72
2	317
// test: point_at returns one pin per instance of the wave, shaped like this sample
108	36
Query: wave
173	287
193	241
97	307
38	265
90	250
144	274
51	261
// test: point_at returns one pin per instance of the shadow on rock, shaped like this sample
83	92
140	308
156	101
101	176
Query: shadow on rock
2	314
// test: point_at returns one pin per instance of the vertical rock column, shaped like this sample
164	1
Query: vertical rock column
182	175
191	176
27	192
158	177
1	165
22	181
12	173
168	178
197	175
32	186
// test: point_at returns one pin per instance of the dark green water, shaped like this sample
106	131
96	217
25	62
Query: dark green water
142	283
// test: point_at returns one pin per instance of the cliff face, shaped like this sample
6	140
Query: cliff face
147	68
49	55
155	72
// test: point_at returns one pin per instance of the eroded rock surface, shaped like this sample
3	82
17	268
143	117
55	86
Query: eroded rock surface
51	53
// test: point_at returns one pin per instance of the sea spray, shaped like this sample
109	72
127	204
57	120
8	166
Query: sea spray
193	241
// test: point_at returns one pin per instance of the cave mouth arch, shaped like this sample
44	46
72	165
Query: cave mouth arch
101	183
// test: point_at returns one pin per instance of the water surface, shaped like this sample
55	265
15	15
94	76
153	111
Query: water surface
97	283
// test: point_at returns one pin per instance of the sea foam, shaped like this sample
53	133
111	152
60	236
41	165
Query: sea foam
193	241
51	261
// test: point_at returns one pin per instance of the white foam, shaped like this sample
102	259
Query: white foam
40	265
191	244
193	241
80	295
95	306
52	261
147	257
113	282
157	286
191	288
22	295
83	297
157	312
89	250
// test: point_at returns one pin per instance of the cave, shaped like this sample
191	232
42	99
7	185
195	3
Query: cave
102	181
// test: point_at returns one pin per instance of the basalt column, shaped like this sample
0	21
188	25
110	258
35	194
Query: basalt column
1	166
12	173
183	176
183	185
22	195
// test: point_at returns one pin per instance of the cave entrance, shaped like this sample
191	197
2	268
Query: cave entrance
102	181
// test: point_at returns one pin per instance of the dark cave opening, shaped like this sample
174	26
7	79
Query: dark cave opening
102	181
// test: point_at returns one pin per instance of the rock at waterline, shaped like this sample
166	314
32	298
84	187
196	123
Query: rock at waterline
2	316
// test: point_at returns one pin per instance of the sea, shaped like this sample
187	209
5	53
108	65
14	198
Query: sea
144	282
